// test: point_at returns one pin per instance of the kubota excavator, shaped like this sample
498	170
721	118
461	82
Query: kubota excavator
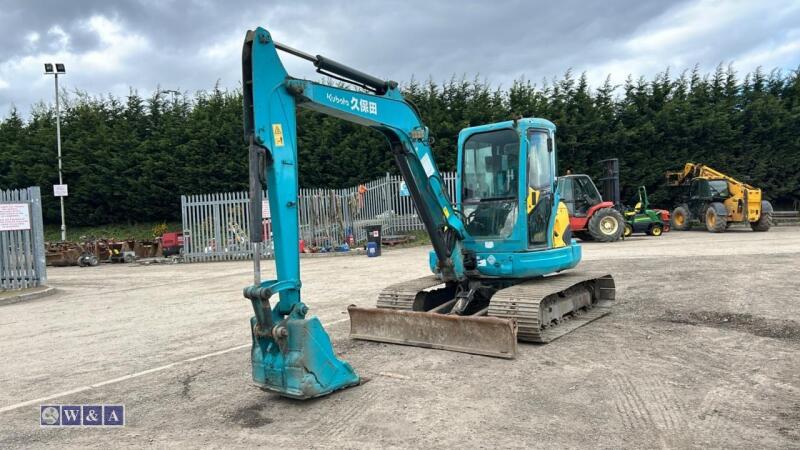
497	250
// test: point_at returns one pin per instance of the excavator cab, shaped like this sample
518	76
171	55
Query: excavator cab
505	187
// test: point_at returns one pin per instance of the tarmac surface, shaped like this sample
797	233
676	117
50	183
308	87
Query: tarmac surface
701	350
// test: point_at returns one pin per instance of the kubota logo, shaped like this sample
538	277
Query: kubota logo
355	104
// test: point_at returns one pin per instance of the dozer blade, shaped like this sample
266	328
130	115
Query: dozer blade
480	335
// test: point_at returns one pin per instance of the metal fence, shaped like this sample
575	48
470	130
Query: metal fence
216	226
22	262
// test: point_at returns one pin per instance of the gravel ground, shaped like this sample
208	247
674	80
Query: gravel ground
702	350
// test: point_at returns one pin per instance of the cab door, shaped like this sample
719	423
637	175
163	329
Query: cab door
540	195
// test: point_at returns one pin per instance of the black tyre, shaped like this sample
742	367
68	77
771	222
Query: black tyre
628	230
765	220
656	230
680	218
606	225
716	218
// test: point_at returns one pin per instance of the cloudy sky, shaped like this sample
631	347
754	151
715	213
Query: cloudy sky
109	46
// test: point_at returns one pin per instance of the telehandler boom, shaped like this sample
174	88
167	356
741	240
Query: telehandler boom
495	249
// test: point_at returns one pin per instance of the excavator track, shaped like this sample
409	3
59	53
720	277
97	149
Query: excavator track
403	295
550	307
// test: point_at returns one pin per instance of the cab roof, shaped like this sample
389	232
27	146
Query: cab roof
530	122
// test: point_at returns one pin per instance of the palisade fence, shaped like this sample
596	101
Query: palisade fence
22	261
216	226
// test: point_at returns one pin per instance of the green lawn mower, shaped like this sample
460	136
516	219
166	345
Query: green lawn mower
642	219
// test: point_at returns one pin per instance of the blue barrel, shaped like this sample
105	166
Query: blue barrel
372	249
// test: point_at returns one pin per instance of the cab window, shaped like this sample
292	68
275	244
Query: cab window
490	181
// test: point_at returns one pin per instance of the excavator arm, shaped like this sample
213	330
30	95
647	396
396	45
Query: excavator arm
271	97
292	355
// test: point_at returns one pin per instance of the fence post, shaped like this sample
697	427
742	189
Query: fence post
388	205
37	232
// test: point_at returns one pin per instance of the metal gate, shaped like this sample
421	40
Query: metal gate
216	226
22	263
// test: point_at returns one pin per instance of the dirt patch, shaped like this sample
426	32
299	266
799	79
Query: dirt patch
186	383
250	417
747	323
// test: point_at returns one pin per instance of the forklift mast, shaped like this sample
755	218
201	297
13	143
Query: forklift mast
609	182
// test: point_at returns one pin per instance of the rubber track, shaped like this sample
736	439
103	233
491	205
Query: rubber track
522	302
402	295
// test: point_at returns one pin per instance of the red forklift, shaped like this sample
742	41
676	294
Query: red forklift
590	216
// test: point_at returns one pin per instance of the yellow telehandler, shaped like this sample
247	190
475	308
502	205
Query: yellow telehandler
717	200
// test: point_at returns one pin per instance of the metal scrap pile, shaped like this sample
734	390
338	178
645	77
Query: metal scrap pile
91	251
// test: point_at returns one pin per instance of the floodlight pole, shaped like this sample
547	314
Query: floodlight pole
60	179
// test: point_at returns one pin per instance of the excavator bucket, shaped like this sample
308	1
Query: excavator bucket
480	335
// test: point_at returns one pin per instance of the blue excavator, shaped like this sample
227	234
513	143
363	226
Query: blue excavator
498	250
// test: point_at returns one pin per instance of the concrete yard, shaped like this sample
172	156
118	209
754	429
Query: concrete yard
702	350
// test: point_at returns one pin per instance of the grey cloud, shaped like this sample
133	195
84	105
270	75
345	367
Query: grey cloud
501	40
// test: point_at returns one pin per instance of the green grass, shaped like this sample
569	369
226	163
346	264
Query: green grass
421	238
52	233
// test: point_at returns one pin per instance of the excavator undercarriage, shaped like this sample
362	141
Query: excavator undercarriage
420	312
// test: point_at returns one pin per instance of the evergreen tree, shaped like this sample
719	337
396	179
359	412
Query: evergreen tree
129	159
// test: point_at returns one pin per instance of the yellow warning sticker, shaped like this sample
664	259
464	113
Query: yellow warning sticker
446	213
277	133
